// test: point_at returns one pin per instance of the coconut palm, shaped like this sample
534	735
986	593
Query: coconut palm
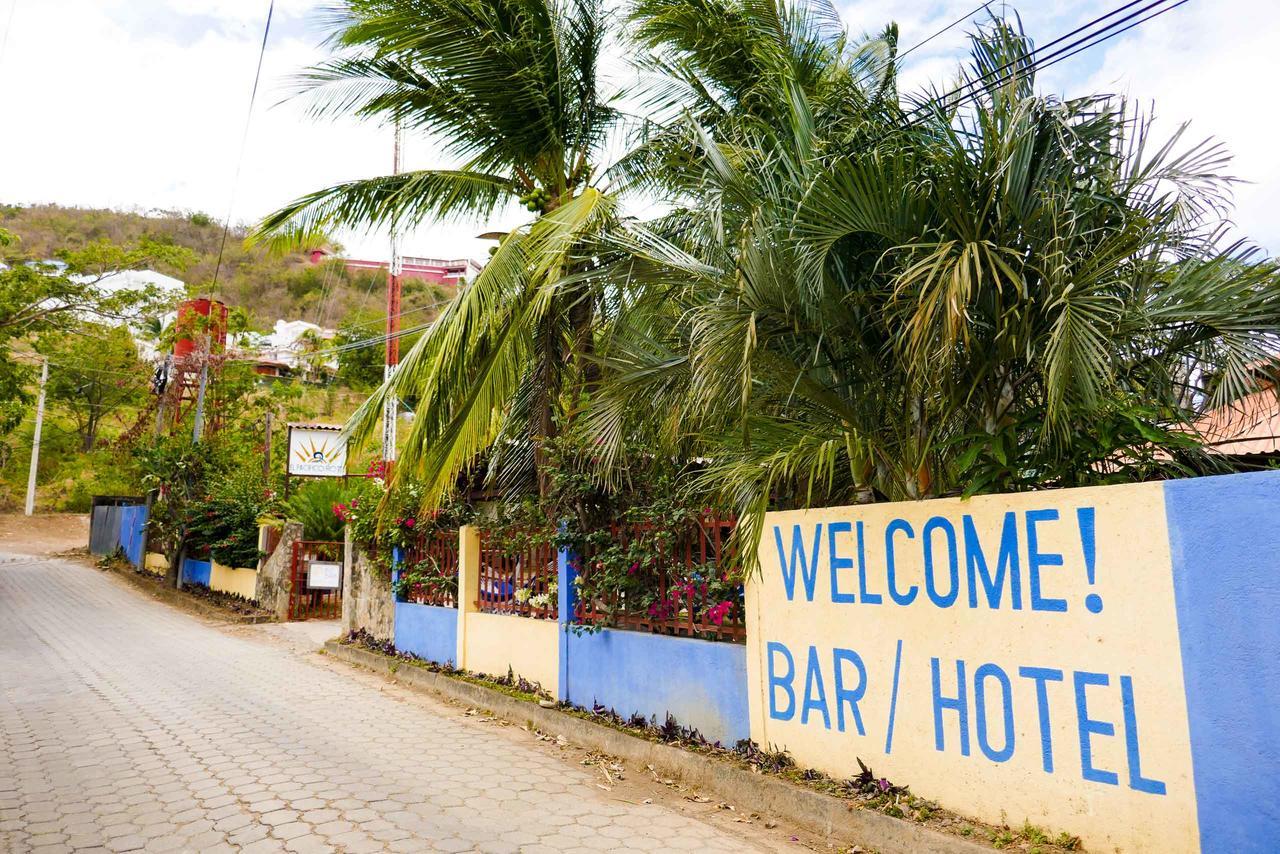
510	89
1018	291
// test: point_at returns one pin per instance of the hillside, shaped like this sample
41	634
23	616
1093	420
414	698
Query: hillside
266	286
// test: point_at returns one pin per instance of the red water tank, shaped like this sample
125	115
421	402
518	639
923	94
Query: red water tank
197	318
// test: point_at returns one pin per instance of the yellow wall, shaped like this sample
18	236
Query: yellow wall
240	582
530	648
156	563
1132	639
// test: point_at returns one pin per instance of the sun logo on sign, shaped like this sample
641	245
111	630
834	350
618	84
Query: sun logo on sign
311	452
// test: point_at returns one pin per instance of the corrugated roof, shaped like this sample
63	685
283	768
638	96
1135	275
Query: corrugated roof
1250	425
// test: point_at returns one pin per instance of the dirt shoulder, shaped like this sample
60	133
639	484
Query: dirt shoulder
43	533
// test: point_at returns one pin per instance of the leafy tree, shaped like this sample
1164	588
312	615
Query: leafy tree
1018	293
360	367
39	300
511	89
96	371
36	297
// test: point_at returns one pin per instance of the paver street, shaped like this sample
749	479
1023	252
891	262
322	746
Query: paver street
125	725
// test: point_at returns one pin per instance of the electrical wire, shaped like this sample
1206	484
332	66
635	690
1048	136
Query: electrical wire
244	139
954	23
382	320
897	58
1091	40
76	368
961	93
4	43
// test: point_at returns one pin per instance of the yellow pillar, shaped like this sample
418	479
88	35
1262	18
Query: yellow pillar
468	585
755	675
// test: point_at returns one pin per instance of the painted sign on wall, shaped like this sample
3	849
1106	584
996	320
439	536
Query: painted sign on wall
317	451
1015	657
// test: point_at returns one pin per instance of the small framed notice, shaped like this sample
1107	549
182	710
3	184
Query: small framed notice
324	575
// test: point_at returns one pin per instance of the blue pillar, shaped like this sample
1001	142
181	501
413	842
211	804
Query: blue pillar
397	558
567	594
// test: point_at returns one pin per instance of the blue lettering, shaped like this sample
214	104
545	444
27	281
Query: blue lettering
1006	564
1037	559
938	523
893	527
1041	676
980	677
1136	780
959	704
837	562
808	568
812	679
1089	727
849	695
868	598
783	681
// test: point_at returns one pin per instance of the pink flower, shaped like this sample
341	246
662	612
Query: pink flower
410	522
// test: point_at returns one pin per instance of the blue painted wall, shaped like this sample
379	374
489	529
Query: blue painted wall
196	571
427	631
132	521
1224	537
702	684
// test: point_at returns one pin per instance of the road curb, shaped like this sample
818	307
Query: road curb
838	820
179	600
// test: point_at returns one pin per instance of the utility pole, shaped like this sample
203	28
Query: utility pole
391	406
204	379
266	457
151	493
35	440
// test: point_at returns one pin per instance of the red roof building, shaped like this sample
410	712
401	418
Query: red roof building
439	271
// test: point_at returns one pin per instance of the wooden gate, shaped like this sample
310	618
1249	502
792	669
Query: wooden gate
315	590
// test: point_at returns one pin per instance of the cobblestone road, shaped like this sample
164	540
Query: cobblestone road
125	725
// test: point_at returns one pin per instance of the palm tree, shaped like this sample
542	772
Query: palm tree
1013	293
511	89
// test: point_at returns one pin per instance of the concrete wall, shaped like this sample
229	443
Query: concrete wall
233	580
427	631
1224	535
273	582
196	571
367	601
700	683
1104	661
496	643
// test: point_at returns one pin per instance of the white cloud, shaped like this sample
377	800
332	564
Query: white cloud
1212	64
141	103
105	111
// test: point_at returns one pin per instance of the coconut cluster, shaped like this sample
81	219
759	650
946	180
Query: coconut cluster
536	200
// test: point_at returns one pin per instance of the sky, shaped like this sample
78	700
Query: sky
141	104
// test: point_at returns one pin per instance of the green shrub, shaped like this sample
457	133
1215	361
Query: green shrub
226	520
312	504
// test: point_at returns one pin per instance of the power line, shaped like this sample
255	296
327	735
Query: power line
1090	40
79	368
954	23
244	139
896	59
382	320
997	72
4	43
1154	14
